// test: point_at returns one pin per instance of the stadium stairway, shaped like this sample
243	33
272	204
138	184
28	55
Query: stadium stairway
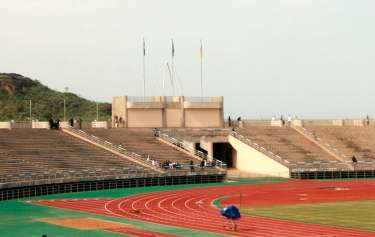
143	142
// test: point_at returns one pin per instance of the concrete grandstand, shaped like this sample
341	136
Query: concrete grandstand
171	143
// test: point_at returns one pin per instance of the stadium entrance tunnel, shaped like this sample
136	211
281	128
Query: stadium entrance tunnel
224	152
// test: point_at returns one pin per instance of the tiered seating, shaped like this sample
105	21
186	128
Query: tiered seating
30	154
291	146
349	141
143	142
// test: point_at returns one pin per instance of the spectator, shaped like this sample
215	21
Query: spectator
79	123
229	122
156	132
367	120
191	166
354	160
116	121
71	122
282	120
50	122
120	121
202	164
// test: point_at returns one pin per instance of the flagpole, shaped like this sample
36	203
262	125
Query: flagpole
144	69
173	70
201	55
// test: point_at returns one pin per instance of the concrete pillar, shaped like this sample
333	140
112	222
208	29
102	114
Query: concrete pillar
163	111
222	111
119	109
208	146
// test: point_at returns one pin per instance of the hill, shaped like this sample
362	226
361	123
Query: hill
16	91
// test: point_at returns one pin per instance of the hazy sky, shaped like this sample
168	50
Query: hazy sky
312	58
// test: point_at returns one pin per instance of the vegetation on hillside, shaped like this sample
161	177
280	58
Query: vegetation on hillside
16	91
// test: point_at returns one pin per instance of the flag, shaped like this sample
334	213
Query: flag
144	47
172	48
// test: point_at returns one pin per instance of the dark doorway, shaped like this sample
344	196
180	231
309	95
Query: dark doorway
224	152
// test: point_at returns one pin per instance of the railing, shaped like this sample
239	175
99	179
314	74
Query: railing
318	166
211	161
95	173
185	132
260	148
47	188
118	148
333	174
141	99
203	99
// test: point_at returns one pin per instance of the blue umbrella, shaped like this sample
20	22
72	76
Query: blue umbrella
231	212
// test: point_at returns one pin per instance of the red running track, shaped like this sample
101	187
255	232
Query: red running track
194	209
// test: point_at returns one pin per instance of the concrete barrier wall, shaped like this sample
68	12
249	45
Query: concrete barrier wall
5	125
338	122
195	118
40	125
277	123
99	124
176	111
359	122
173	118
252	161
146	118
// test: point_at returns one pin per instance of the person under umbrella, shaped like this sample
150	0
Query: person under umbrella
232	213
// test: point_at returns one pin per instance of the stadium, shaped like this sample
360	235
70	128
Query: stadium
165	166
187	118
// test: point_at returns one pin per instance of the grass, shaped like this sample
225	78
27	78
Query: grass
21	219
353	214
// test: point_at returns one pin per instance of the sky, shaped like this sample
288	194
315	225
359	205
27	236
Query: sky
309	58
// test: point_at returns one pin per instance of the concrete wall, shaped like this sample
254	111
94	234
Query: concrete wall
173	118
5	125
250	160
161	111
40	124
99	124
147	118
338	122
195	118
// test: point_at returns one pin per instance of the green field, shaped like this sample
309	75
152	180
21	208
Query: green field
358	214
18	218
